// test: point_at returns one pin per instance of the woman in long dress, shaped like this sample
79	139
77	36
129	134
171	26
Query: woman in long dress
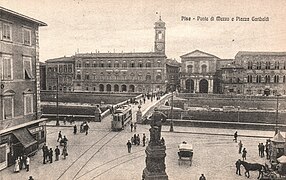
17	165
65	152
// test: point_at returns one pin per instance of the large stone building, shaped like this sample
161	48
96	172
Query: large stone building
173	75
112	72
264	72
199	72
20	128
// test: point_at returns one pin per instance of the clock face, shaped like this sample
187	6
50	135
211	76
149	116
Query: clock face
159	47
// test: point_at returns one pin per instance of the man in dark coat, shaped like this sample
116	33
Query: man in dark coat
59	136
235	136
74	129
237	165
144	140
51	155
129	145
57	153
44	149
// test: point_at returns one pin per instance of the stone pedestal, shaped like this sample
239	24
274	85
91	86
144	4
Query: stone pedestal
155	163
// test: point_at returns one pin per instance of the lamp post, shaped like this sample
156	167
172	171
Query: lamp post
238	107
172	105
276	119
57	98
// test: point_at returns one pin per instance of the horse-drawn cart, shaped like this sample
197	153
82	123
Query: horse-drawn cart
185	153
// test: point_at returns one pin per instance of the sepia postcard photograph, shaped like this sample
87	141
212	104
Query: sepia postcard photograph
142	90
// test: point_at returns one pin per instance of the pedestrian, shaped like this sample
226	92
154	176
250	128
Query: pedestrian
57	153
235	136
135	139
64	141
17	165
144	100
267	150
144	140
21	162
262	150
25	160
240	147
162	141
65	152
259	149
131	126
129	145
51	155
138	140
135	126
74	129
244	152
86	127
31	178
59	136
44	153
237	165
202	177
27	163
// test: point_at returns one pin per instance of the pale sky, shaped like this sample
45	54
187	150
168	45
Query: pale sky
128	25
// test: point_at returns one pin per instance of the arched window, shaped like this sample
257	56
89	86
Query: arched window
267	65
276	65
86	76
159	64
132	75
108	87
258	65
204	68
140	64
148	77
86	64
267	79
124	64
284	79
101	64
78	64
276	79
249	78
249	65
190	69
116	64
148	64
101	87
158	78
258	79
109	64
78	76
132	64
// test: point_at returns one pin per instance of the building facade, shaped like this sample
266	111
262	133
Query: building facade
172	75
143	72
59	74
264	72
198	72
20	128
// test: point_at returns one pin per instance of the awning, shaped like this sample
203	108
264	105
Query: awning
24	137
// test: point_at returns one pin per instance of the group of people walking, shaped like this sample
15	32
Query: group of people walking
262	148
135	140
22	162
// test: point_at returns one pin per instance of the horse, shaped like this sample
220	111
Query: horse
253	167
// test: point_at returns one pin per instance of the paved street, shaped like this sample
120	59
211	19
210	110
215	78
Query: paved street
102	154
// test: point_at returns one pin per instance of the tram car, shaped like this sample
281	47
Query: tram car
121	116
185	152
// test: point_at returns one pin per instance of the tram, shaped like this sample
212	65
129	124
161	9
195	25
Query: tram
121	117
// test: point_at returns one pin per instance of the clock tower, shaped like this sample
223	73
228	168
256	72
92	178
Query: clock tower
160	31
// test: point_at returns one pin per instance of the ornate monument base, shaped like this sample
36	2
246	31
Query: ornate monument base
155	163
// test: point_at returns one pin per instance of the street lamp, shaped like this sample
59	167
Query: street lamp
276	119
238	107
172	105
58	122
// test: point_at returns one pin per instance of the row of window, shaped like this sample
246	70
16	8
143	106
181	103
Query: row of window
190	68
6	33
116	64
6	64
261	91
62	69
87	76
8	106
267	79
276	65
